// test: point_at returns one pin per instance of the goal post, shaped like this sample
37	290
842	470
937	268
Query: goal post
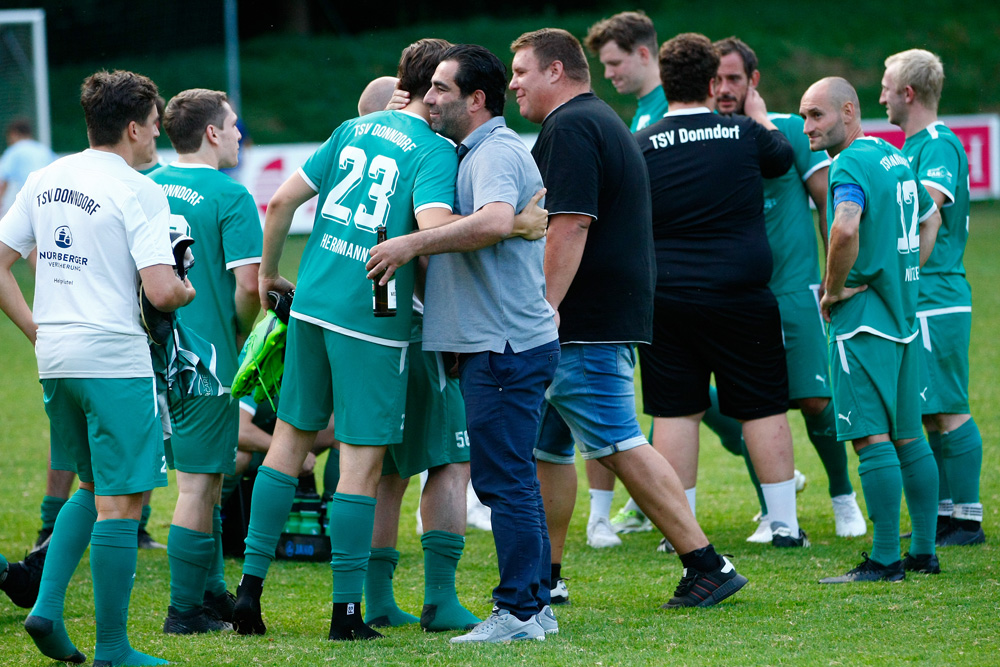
24	71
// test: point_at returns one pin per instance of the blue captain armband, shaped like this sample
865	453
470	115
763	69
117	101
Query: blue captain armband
848	192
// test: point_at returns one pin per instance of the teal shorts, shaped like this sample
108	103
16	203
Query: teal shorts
363	384
107	431
944	361
206	432
435	432
875	388
804	333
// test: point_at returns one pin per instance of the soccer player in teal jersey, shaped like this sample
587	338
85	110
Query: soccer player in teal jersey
911	90
795	281
220	215
883	229
626	45
388	168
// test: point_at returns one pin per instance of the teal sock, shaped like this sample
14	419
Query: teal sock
216	582
753	478
331	473
937	447
963	462
351	520
50	510
920	484
70	537
882	486
822	430
381	609
442	610
273	493
144	518
189	553
112	565
729	430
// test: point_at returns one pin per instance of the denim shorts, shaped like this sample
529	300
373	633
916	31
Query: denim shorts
591	400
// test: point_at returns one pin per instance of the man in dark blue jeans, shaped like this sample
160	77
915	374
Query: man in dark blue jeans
485	299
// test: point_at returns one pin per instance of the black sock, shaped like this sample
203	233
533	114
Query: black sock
251	584
702	560
556	572
347	624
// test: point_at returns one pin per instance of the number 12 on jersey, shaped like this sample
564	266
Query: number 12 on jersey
382	173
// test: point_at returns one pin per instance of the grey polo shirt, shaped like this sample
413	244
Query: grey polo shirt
481	301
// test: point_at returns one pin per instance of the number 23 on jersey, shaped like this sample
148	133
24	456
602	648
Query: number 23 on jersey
381	174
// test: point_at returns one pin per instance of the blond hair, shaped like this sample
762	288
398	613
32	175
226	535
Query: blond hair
922	71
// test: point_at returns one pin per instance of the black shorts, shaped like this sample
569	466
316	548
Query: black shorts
740	343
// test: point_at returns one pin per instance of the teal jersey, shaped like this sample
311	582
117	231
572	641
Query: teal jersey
791	230
220	215
940	162
889	241
651	108
380	169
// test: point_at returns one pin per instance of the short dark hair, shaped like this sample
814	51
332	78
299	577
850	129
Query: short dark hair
417	65
737	45
688	63
189	113
628	30
112	100
20	127
552	44
479	69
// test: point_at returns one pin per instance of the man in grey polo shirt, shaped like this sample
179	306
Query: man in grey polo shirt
486	301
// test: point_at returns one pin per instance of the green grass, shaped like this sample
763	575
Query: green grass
782	617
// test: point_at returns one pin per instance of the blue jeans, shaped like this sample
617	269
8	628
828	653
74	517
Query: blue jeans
503	397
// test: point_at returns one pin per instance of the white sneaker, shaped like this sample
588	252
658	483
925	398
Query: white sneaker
547	619
800	481
559	594
848	517
665	547
502	626
479	516
763	533
600	534
631	521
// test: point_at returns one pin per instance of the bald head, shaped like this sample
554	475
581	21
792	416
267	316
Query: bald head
832	114
376	95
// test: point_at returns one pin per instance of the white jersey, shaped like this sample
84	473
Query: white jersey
96	222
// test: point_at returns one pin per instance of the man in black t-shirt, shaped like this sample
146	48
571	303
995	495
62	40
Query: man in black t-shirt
713	311
600	274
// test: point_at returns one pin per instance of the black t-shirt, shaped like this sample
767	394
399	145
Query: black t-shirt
591	165
705	174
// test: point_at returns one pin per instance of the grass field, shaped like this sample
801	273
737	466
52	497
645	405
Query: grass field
783	617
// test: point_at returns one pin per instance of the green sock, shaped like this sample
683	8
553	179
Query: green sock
70	538
920	484
753	478
189	553
331	473
442	610
882	486
937	447
729	430
215	584
112	565
144	518
351	520
963	462
273	493
822	430
50	510
381	609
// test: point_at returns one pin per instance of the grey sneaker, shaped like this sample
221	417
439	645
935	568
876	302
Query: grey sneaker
502	626
547	619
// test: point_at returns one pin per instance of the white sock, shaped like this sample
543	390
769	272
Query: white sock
600	504
946	507
780	500
968	512
692	495
631	506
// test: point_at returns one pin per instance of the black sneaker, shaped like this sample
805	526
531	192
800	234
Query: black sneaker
665	547
195	622
704	589
944	525
221	606
43	536
958	536
145	541
869	570
559	594
22	579
246	609
781	536
921	563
